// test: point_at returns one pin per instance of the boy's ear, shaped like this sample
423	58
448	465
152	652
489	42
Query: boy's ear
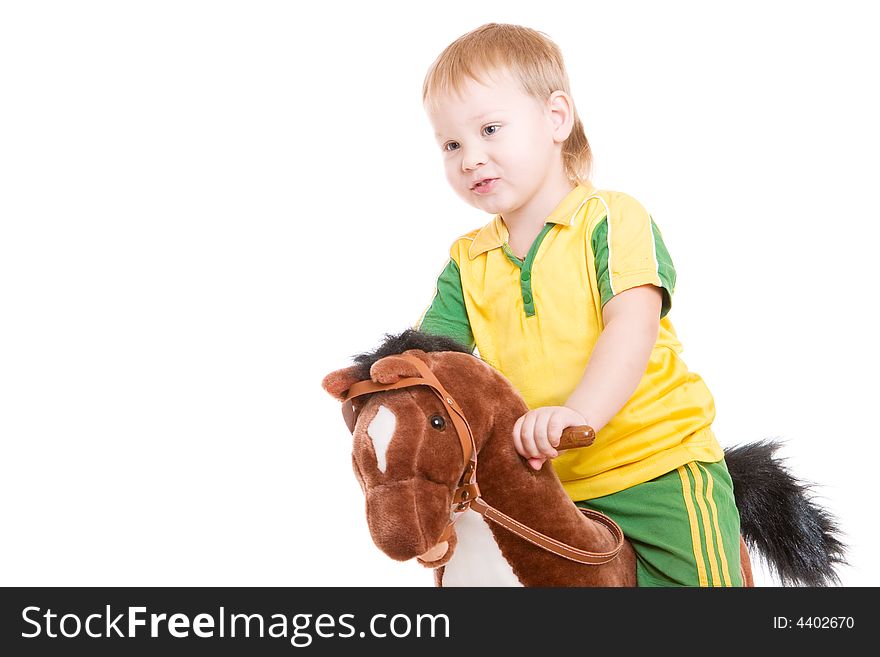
561	114
337	383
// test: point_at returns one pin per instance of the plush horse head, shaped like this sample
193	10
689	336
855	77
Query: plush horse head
406	453
408	458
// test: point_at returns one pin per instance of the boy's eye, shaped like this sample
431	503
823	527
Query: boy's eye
489	130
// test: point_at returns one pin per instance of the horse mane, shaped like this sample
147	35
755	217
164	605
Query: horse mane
397	344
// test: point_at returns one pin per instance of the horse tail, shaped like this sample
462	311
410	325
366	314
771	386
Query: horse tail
798	539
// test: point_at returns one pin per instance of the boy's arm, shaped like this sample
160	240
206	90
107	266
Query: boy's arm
620	357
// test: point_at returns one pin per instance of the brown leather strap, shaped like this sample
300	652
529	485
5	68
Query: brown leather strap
428	379
465	437
551	544
365	387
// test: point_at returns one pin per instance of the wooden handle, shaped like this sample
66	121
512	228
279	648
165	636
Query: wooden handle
573	437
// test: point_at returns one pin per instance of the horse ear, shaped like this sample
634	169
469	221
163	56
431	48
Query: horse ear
393	368
337	383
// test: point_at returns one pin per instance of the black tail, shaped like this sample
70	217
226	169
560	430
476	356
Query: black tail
798	539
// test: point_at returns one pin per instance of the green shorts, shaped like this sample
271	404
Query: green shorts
683	525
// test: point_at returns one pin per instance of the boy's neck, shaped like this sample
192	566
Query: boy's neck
529	218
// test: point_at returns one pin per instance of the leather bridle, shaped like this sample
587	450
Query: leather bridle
467	493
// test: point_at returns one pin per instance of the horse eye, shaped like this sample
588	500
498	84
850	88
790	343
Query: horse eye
437	422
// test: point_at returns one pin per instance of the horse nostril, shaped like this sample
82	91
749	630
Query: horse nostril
437	422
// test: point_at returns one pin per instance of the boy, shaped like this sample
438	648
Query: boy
567	291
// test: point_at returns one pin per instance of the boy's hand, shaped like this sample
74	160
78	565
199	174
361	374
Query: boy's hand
536	434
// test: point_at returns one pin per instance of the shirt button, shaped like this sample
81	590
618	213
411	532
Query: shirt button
527	298
526	275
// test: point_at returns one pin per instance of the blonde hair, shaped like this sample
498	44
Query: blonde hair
531	58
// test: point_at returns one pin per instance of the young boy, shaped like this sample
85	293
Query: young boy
567	291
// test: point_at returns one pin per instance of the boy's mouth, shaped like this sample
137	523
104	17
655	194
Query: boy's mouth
484	186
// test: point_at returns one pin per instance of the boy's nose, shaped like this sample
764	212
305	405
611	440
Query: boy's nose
473	158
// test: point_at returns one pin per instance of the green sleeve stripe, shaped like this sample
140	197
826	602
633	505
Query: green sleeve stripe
665	268
600	257
447	314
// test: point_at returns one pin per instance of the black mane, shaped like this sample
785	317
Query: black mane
397	344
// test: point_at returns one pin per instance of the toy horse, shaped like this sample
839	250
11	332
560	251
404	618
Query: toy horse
424	412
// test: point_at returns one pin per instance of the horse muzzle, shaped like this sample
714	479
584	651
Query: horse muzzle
407	517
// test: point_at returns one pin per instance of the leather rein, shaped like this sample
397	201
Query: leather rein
467	493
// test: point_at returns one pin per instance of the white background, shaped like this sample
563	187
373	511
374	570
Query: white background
206	207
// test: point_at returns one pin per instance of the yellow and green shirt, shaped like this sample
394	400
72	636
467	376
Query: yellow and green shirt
537	321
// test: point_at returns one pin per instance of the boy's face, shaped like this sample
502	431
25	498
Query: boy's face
495	132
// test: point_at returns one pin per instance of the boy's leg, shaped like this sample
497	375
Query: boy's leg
683	525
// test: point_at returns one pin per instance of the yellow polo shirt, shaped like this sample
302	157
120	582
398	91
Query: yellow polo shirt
537	321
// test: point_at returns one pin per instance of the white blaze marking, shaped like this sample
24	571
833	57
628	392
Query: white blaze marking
381	431
477	560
